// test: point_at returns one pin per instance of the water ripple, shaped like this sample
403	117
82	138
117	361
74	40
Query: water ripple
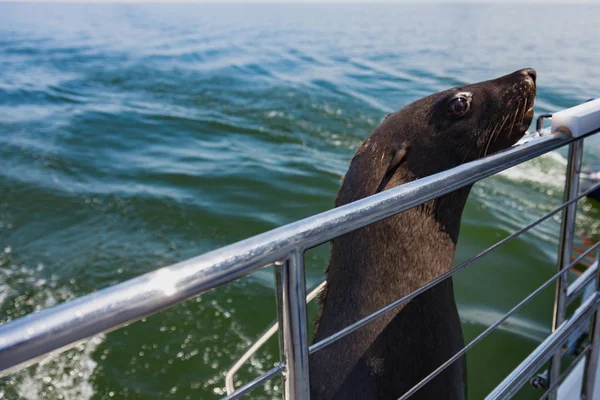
134	136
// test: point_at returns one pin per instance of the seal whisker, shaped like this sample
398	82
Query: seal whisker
517	110
524	112
504	119
483	151
495	133
491	135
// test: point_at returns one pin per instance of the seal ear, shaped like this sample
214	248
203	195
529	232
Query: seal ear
397	158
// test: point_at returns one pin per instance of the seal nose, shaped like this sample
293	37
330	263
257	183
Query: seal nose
529	72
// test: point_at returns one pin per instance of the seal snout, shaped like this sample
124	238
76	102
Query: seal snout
529	73
530	76
528	88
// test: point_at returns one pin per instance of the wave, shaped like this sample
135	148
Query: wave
547	170
515	325
68	376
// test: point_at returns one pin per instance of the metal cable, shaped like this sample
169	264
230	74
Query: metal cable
251	385
489	330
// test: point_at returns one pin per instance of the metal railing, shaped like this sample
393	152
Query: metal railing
28	339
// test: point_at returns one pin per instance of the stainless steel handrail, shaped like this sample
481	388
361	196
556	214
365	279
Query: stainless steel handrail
245	389
26	340
485	333
569	292
573	291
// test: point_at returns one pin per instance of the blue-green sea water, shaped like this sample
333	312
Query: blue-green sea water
135	136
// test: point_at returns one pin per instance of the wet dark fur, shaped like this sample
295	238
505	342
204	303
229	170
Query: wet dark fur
380	263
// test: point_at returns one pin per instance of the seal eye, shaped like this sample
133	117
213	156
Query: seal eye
458	106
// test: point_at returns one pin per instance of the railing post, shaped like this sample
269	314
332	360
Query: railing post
293	336
591	365
565	249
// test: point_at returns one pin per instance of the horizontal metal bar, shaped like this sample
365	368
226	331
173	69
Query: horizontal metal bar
360	323
566	372
486	332
258	381
25	340
513	382
581	282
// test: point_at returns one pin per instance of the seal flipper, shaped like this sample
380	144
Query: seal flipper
397	159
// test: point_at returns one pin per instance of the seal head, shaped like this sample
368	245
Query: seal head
378	264
446	129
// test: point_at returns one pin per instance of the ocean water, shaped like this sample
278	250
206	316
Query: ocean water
135	136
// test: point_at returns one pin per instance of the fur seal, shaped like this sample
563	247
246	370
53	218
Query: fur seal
373	266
